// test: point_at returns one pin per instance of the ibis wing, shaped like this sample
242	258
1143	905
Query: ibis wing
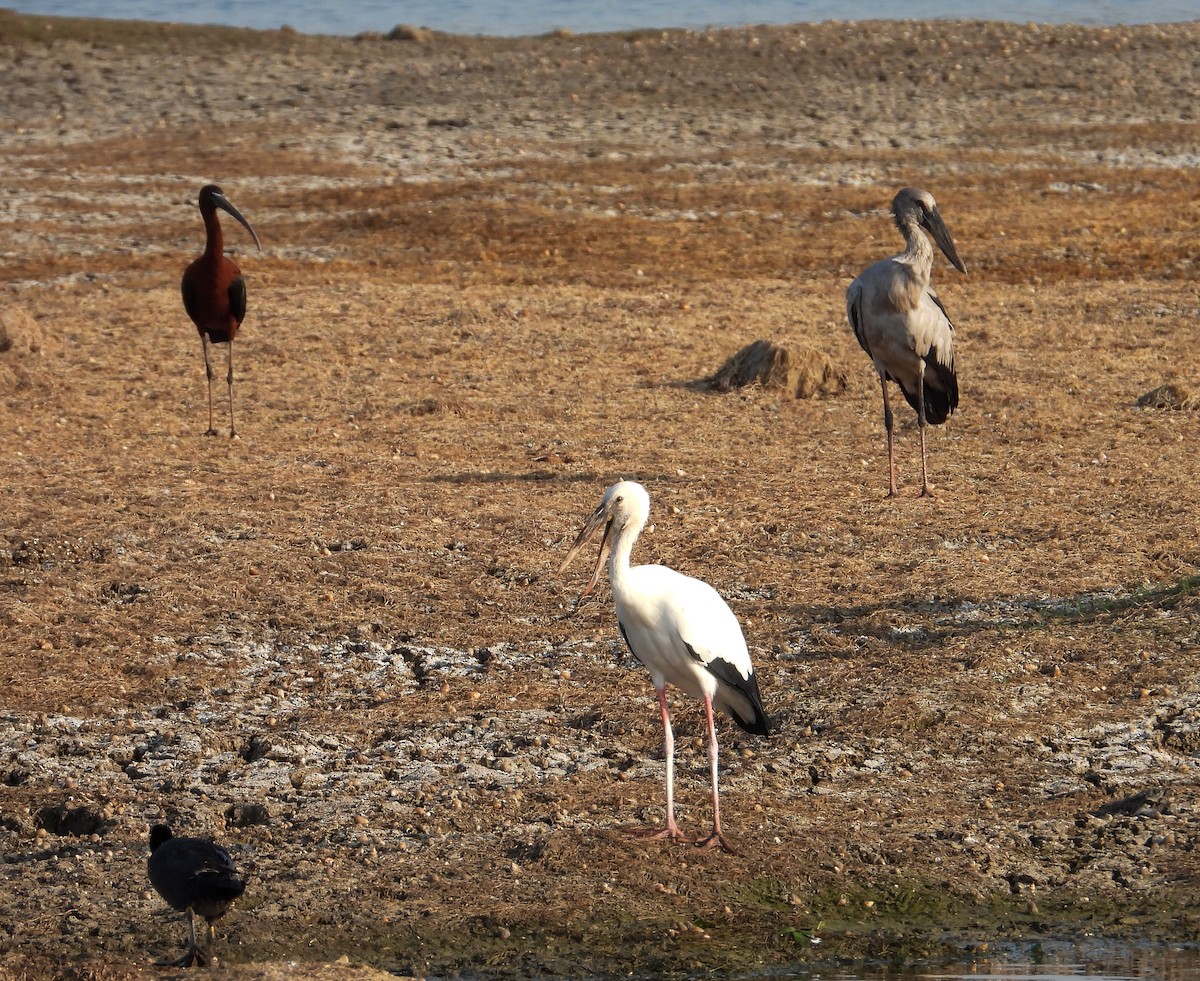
191	302
237	299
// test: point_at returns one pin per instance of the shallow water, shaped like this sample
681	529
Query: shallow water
1060	961
520	17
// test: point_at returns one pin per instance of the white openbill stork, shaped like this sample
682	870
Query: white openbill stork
681	630
902	325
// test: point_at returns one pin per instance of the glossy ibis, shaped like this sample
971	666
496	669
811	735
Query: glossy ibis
214	293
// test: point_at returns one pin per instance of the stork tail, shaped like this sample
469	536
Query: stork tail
941	391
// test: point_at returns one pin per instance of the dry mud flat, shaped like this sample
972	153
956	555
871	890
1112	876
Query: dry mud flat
495	274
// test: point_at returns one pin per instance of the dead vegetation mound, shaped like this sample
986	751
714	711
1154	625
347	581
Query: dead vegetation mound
20	333
801	375
23	341
406	32
1170	396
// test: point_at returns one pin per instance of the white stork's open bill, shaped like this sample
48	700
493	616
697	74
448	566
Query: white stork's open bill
681	630
902	325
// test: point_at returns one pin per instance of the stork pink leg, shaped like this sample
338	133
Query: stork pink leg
671	832
716	839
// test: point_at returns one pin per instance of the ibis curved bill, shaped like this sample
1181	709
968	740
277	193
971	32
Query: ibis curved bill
214	293
902	325
196	877
681	630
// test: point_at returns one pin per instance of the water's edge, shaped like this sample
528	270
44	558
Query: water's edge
515	18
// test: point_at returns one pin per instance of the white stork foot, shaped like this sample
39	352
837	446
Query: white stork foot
717	840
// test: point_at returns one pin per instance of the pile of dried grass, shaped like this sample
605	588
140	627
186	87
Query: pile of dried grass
19	332
801	375
21	337
1170	396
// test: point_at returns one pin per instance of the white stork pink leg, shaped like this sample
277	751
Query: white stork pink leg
716	839
671	832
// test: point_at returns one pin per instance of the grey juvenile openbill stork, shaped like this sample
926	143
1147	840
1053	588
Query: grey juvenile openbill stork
900	322
197	877
681	630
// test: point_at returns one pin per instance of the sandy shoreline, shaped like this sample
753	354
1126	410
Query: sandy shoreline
883	84
495	272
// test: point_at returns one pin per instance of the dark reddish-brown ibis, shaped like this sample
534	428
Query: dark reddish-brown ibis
902	325
194	876
214	293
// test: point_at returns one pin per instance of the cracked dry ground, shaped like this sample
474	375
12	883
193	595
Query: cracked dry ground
494	275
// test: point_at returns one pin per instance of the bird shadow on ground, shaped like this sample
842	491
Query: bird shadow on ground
533	476
538	476
925	622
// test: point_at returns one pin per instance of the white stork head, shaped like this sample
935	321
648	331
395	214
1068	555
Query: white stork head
624	509
912	207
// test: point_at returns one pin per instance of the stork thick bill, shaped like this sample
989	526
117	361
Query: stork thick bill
936	227
595	520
